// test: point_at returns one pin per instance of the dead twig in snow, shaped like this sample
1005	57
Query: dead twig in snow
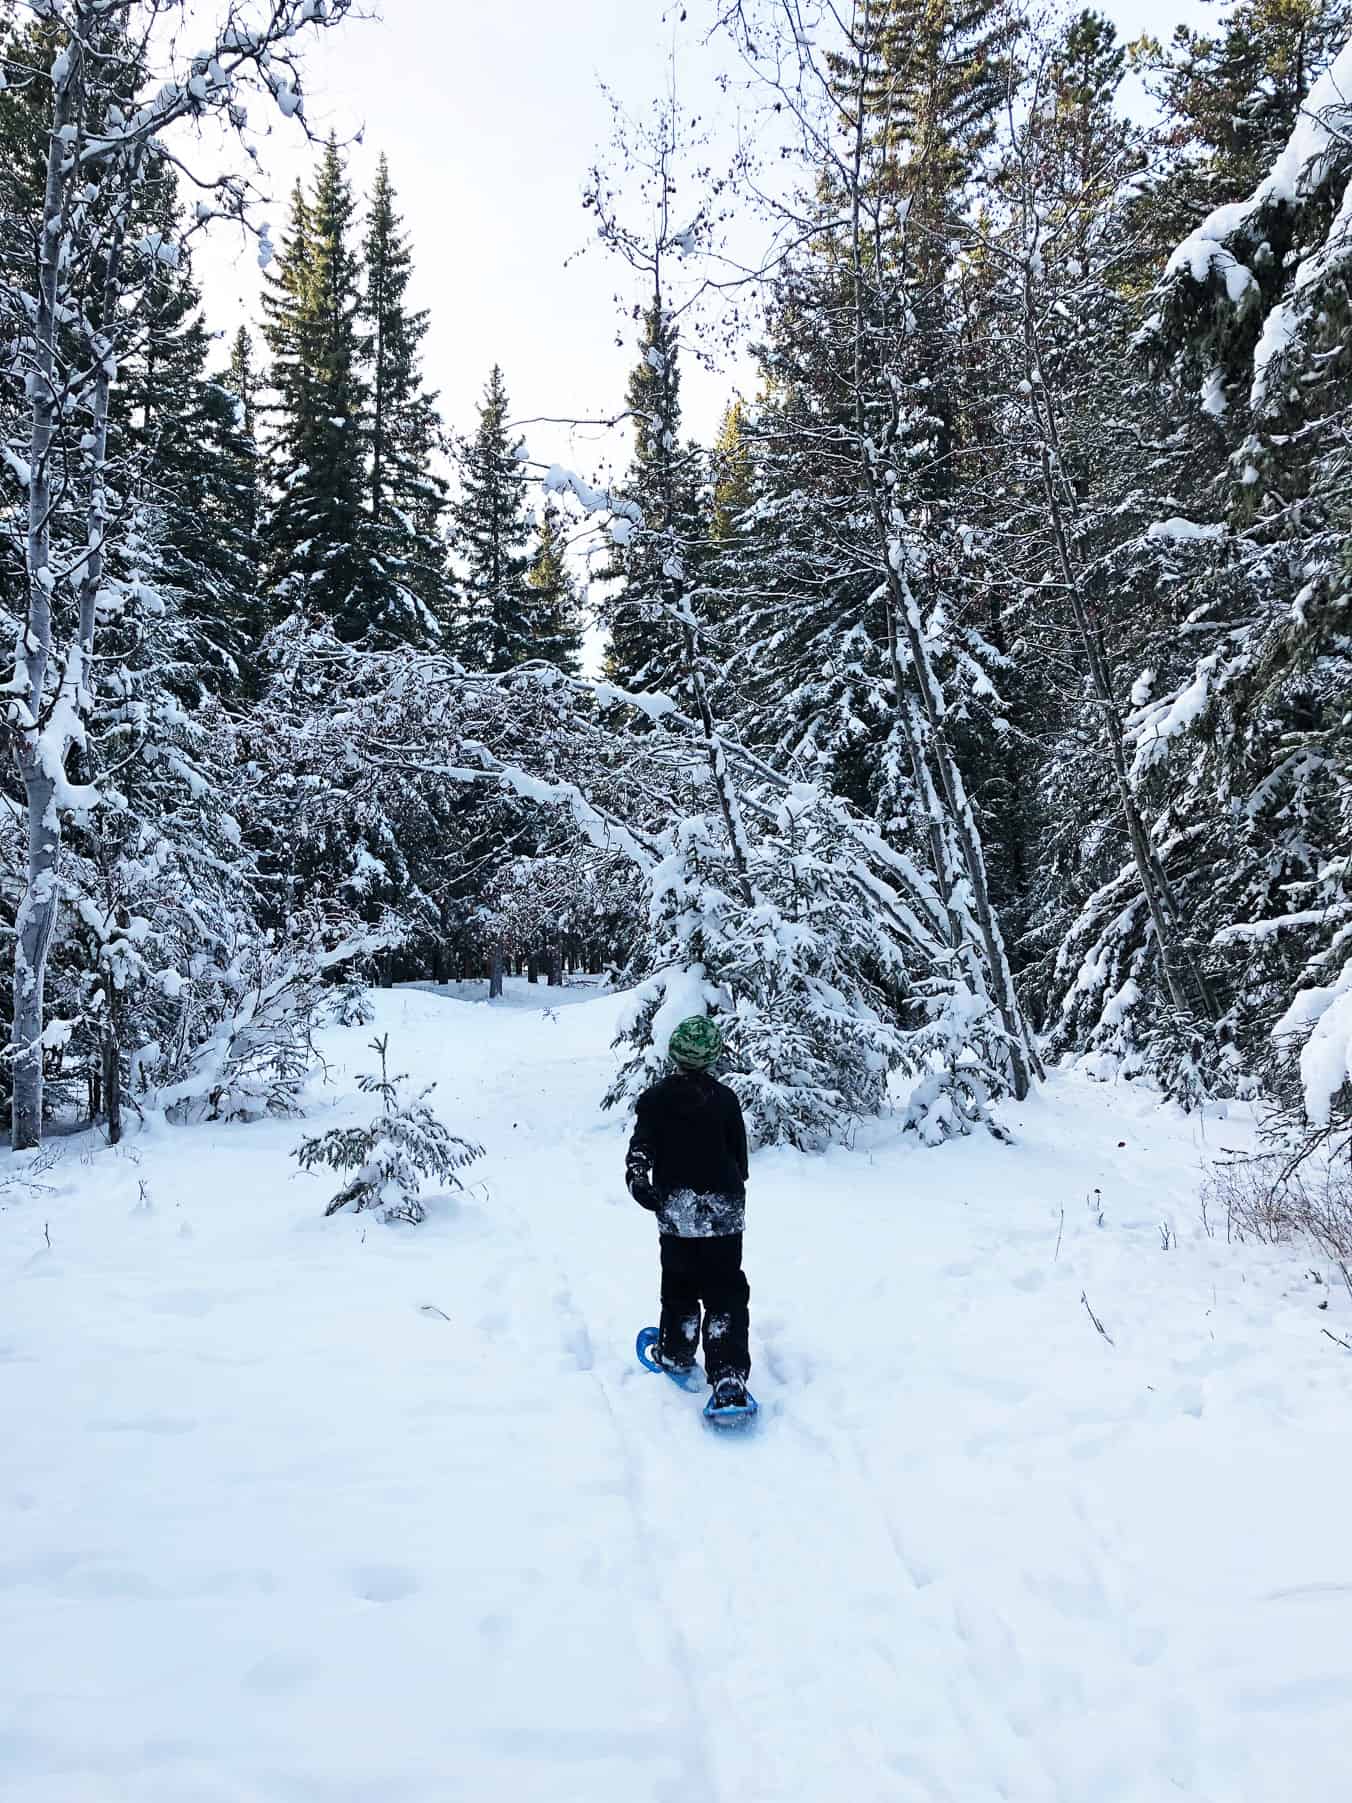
1060	1230
1094	1318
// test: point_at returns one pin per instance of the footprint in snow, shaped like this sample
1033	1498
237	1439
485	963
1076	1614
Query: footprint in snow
191	1304
278	1674
169	1425
383	1583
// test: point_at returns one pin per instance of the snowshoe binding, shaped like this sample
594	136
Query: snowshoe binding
731	1405
650	1356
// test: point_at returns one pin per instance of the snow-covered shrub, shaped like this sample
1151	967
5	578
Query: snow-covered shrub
803	962
350	1003
244	1041
391	1155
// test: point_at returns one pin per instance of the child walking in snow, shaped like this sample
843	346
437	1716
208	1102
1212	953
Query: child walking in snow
687	1164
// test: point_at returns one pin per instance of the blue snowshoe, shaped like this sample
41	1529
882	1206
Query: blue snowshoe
731	1405
687	1377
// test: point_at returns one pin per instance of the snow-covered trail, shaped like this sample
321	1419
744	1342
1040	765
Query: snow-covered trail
326	1512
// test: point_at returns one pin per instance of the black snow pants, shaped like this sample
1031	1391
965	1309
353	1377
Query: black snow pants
708	1271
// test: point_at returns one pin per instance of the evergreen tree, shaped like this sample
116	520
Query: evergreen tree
313	310
867	346
495	611
733	473
1060	519
1245	726
241	474
645	649
389	1159
929	78
557	616
192	466
1230	99
243	381
404	554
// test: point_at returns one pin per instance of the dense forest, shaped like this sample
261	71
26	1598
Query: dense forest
980	697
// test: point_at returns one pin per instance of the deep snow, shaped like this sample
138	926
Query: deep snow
307	1511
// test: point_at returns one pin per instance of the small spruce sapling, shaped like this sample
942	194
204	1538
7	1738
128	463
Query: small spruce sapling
391	1156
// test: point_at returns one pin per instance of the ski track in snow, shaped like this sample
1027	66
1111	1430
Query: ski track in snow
297	1511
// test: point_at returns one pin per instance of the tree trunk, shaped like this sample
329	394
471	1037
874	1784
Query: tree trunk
555	966
32	937
112	1084
495	974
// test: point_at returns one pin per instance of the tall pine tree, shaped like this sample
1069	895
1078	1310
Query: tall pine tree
313	307
645	648
404	571
557	615
495	625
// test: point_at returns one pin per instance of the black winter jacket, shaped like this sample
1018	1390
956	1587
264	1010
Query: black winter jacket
687	1157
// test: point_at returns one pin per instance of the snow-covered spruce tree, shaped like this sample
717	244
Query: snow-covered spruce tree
1229	96
248	1021
664	482
1250	734
181	446
315	331
404	553
809	966
239	483
880	250
157	885
1064	511
495	609
391	1156
114	89
557	608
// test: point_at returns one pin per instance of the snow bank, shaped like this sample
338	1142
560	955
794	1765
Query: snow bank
305	1508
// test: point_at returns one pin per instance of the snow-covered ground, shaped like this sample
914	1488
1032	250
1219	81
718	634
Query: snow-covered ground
307	1511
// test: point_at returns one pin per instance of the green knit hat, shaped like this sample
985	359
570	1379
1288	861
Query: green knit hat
695	1043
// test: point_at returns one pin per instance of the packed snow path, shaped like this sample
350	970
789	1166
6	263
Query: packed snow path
296	1511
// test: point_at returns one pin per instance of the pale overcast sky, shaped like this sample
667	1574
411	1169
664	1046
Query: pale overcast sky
491	113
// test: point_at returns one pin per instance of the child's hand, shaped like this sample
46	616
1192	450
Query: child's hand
642	1190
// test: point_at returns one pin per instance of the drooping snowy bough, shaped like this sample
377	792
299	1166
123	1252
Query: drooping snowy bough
821	949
